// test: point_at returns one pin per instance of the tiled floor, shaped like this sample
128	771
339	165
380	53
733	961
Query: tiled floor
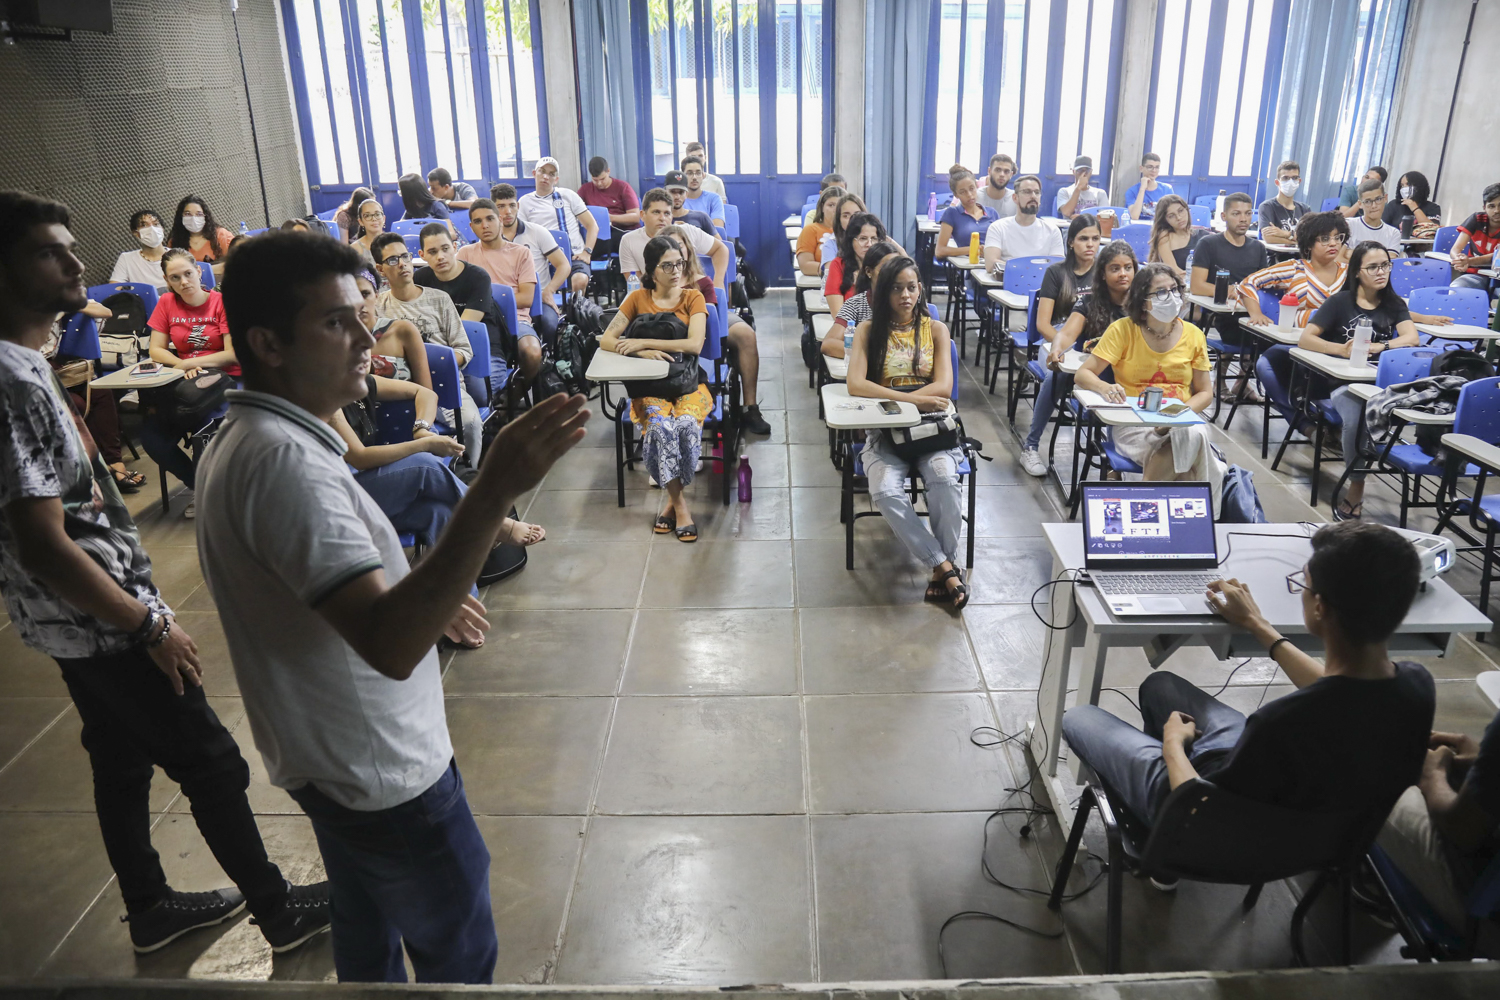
731	762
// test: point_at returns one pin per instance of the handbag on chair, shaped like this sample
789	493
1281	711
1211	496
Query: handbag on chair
937	432
683	374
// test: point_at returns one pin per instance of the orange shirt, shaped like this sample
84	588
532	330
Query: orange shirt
214	248
811	238
638	303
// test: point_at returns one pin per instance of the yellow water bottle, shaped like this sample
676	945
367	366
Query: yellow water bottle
974	248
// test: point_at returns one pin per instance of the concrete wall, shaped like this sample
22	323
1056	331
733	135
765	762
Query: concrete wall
155	111
562	94
849	91
1135	79
1430	56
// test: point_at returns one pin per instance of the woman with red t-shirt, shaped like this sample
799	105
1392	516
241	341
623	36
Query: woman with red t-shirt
189	332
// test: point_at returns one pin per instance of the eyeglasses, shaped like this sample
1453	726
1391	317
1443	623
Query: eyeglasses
400	258
671	266
1163	294
1377	268
1296	582
1332	238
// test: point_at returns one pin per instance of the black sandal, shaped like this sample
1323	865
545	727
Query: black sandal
129	481
687	533
665	522
1345	511
958	595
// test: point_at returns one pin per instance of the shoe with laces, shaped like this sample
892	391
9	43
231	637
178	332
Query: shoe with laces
754	422
1033	463
180	912
302	915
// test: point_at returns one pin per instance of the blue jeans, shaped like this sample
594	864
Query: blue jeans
418	493
1044	404
1129	761
887	474
545	324
415	874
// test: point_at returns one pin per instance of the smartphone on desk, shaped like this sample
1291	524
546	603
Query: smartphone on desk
147	368
890	407
1173	408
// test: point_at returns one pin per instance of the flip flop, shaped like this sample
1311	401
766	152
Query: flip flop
665	523
687	533
1347	512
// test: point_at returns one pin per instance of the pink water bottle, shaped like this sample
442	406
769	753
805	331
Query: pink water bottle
744	477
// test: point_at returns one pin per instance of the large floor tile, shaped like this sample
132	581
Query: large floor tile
544	652
570	574
811	465
851	651
746	574
532	863
887	883
593	516
528	756
174	570
1009	640
23	719
718	900
207	633
55	866
1009	570
815	512
901	753
1012	511
720	651
704	755
766	516
27	673
884	572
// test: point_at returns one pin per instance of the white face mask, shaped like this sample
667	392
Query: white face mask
1405	193
149	236
1288	187
193	223
1165	310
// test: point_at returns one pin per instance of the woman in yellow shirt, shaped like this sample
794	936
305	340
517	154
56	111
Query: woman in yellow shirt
1154	346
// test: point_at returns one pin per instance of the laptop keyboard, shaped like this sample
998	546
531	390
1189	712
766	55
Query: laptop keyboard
1126	584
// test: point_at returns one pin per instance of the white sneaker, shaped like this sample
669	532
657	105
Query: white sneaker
1033	463
189	512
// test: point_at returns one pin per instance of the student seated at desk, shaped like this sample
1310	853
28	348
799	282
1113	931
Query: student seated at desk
1023	234
1316	273
194	230
143	264
1173	235
1477	240
963	220
860	233
1281	214
1349	205
346	217
849	206
1153	346
1235	251
671	428
418	202
371	224
810	240
1331	331
1412	193
398	352
856	308
902	353
1351	738
1445	830
1368	223
1063	284
1142	196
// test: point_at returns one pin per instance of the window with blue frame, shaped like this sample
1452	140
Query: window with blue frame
1035	79
387	87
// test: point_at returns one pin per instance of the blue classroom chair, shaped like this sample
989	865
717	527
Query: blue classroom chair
1410	273
447	382
206	269
1445	238
1466	306
1329	204
1202	215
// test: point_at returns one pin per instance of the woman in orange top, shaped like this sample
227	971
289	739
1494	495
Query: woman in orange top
194	230
811	238
671	429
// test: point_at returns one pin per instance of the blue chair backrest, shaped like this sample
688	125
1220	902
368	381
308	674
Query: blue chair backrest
1445	238
732	221
1203	215
329	215
393	421
707	265
601	216
460	222
1329	204
1478	410
479	364
207	271
954	394
713	336
442	363
410	227
1410	273
505	298
932	310
565	244
828	248
1210	200
1270	304
80	338
1137	235
146	293
1469	306
1024	274
413	243
1404	364
731	269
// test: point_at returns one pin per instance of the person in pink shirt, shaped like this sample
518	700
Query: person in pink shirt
508	264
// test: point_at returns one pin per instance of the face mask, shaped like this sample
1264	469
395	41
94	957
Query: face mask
193	223
1288	187
1405	193
1163	310
149	236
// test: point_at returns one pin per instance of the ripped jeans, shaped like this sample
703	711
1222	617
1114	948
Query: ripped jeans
887	474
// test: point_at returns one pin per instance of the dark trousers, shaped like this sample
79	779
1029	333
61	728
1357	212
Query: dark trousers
132	720
1129	761
415	874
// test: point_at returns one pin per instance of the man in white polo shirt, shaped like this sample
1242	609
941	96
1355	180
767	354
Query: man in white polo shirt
557	208
331	636
1023	234
656	215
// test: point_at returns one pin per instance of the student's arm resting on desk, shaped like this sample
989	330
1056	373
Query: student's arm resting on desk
941	247
47	553
1088	378
931	397
1067	336
393	627
375	456
162	353
1231	599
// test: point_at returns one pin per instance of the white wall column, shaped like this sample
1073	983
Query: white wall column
558	53
1135	81
849	90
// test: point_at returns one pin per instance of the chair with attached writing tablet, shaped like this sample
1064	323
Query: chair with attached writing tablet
1410	273
1465	306
1476	430
1023	278
1444	239
447	382
1329	204
477	375
1202	216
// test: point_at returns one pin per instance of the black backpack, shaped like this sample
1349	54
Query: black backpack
575	349
755	285
1467	365
120	335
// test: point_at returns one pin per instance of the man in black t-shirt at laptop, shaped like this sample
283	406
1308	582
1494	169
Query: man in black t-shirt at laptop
1351	738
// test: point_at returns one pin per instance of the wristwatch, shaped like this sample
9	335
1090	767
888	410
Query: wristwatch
421	425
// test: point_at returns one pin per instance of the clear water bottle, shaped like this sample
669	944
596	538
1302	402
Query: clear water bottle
632	283
244	229
1359	354
932	206
1190	265
848	341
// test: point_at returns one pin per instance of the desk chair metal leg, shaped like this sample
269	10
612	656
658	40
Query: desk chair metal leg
848	503
1344	882
973	480
619	459
1252	897
1070	852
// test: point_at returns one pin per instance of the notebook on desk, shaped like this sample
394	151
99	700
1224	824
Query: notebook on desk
1150	548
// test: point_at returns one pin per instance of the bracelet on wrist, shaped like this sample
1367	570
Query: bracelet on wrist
145	628
1271	649
166	630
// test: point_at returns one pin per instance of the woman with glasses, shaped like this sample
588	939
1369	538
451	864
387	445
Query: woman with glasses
666	320
1313	276
1154	347
860	233
1369	297
371	218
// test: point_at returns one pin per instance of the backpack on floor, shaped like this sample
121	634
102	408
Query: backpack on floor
1240	504
120	336
504	560
571	357
755	285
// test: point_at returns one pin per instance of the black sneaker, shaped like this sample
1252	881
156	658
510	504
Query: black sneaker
303	915
178	913
754	422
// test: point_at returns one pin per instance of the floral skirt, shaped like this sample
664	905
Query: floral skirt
672	433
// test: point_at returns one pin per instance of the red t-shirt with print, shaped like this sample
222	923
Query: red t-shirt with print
1481	240
193	330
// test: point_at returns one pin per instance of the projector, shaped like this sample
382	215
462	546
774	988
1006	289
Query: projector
1435	554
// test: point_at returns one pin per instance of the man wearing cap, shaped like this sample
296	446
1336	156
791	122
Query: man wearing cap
560	210
1072	200
677	186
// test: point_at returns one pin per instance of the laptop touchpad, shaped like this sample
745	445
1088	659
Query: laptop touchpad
1161	605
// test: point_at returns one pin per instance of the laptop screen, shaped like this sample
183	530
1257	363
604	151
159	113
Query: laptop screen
1166	525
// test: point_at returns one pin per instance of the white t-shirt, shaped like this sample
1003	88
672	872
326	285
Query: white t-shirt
1385	234
711	182
1040	239
633	247
1091	197
282	526
544	212
133	267
1003	203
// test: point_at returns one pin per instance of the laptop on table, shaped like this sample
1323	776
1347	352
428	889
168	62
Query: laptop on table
1150	548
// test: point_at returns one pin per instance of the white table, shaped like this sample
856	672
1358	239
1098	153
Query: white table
815	301
1489	272
1431	628
805	281
608	366
985	278
792	232
837	368
792	220
843	412
1275	334
1338	369
1364	391
123	378
1459	331
821	323
926	225
1207	302
1288	249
